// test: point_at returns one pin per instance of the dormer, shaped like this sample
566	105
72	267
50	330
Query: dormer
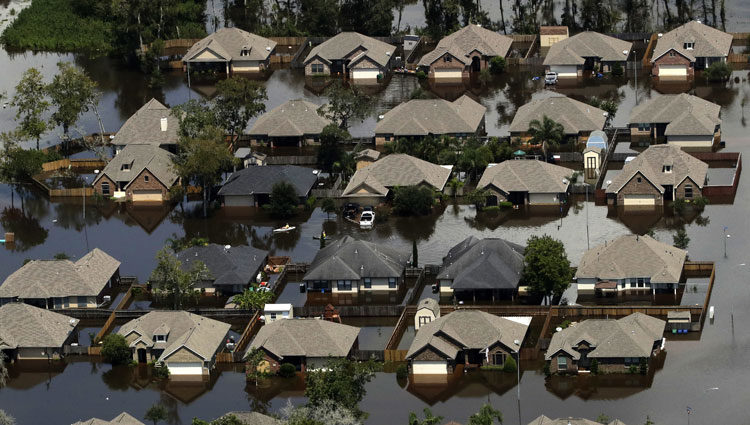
161	333
689	44
126	166
245	51
666	168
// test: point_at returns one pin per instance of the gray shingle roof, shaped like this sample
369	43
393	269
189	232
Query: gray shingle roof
294	118
630	336
396	170
306	337
61	278
466	40
684	114
472	329
543	420
139	157
260	180
234	266
709	42
490	263
123	418
351	259
26	326
344	43
420	117
574	50
254	418
430	304
199	334
526	176
633	256
228	43
144	127
650	164
574	116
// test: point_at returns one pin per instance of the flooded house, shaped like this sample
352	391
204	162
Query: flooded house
615	345
577	118
486	269
631	263
28	332
123	418
465	337
351	266
526	182
58	284
659	174
682	120
688	47
139	173
230	50
543	420
305	343
373	184
587	51
466	51
252	186
183	342
352	55
418	118
293	123
231	269
153	124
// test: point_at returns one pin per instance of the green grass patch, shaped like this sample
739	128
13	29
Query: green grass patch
53	25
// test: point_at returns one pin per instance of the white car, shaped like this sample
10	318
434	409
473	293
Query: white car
366	220
550	78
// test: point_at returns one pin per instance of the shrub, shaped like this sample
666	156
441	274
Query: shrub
497	65
310	203
546	370
594	367
402	371
491	208
505	204
718	71
510	365
633	369
115	349
700	202
413	200
617	70
421	74
382	213
287	370
161	372
565	324
643	366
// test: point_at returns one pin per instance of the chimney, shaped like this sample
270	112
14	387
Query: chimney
164	124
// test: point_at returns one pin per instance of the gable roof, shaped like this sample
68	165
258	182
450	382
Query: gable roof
344	43
294	118
260	180
351	259
684	114
306	337
123	418
471	329
228	43
526	176
397	170
430	304
421	117
367	155
26	326
574	50
466	40
234	266
61	278
709	42
633	256
201	335
144	127
140	157
650	163
630	336
574	116
490	263
543	420
553	30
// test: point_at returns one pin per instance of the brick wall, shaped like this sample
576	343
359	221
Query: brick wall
308	67
680	190
454	64
634	187
677	59
140	183
553	368
98	186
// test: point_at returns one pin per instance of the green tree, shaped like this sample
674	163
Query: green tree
608	106
486	416
497	65
31	104
325	413
156	413
429	419
594	368
455	185
369	17
413	200
115	349
441	17
510	365
414	254
478	198
341	381
253	299
603	419
648	421
346	165
546	266
256	368
170	279
718	71
283	200
318	17
328	205
680	239
20	165
547	132
195	118
72	93
6	419
345	104
61	256
330	150
238	100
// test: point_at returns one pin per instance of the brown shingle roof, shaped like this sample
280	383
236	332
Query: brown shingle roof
650	163
140	157
526	176
574	50
421	117
709	42
345	43
466	40
228	44
144	127
397	170
294	118
683	113
574	116
306	337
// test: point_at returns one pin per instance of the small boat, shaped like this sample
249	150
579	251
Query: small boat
285	228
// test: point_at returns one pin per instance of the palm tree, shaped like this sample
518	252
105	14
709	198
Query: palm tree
547	132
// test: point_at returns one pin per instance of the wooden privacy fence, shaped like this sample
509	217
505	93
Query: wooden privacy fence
73	163
407	315
738	58
122	305
225	357
394	355
72	193
650	49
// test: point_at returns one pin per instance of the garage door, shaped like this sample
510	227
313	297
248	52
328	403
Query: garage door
147	196
365	73
565	70
239	201
672	71
430	368
448	73
543	198
185	368
639	200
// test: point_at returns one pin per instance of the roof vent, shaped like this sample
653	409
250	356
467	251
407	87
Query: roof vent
164	124
268	48
227	246
387	53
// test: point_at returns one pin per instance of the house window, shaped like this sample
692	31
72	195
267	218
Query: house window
562	363
622	285
160	338
671	53
273	316
145	179
640	282
368	282
632	283
688	191
423	320
82	301
105	188
447	59
644	126
499	358
245	52
344	285
317	68
285	315
392	282
638	179
125	167
689	45
387	138
667	169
